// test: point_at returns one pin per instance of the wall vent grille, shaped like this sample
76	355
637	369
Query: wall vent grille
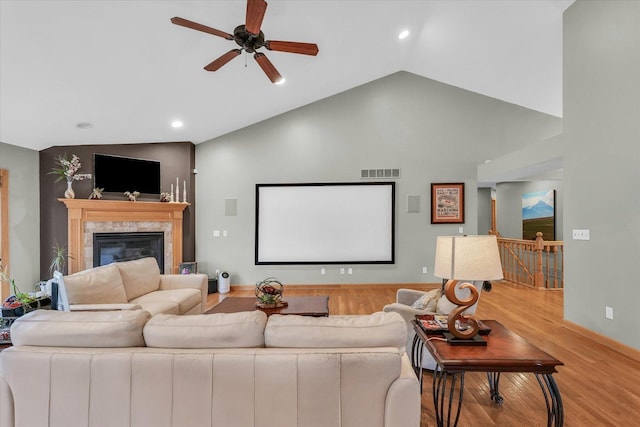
379	173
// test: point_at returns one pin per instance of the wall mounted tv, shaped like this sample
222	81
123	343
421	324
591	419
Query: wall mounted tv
325	223
117	174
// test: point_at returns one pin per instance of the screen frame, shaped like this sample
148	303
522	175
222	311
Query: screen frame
379	195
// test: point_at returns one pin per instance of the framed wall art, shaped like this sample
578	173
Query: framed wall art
539	214
447	203
188	268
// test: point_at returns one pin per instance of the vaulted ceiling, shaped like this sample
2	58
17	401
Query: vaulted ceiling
116	72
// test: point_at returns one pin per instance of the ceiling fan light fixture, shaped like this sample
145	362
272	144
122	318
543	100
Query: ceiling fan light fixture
403	34
177	124
281	81
249	39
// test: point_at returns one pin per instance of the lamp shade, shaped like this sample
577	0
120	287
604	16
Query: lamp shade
467	258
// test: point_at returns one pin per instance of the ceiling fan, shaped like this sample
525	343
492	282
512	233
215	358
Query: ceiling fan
250	38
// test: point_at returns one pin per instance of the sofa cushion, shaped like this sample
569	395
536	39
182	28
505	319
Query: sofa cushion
221	330
139	276
184	299
374	330
99	285
51	328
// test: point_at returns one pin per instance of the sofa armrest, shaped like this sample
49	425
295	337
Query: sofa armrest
186	281
403	404
406	311
104	307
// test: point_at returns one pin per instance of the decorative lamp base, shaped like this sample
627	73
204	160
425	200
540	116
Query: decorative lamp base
453	340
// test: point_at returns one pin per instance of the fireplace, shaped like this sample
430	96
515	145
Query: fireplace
87	217
112	247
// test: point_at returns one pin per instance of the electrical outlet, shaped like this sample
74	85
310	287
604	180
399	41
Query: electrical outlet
350	270
460	230
216	233
323	271
224	233
424	270
580	234
342	271
608	312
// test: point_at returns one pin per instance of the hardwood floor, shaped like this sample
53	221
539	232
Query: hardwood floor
599	386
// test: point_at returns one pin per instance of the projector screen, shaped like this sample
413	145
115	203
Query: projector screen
325	223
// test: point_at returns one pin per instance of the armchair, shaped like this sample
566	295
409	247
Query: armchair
408	305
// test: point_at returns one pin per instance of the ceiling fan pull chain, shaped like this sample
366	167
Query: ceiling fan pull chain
245	59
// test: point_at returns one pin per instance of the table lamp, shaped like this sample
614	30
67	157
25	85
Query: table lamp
466	258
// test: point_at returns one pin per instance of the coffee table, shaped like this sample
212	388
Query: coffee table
505	352
316	306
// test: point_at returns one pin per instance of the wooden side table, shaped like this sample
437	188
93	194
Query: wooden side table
505	352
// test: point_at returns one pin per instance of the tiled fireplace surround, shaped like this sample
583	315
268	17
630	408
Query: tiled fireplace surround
86	217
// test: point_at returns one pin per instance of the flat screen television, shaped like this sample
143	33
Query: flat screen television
117	174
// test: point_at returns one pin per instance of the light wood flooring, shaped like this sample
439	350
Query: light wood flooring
599	385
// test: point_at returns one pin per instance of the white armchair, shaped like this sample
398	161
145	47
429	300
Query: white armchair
408	305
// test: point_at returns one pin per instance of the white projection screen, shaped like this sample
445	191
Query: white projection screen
325	223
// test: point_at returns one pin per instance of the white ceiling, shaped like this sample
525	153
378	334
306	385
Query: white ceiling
123	67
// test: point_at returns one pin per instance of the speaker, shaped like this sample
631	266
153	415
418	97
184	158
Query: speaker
224	282
230	207
413	203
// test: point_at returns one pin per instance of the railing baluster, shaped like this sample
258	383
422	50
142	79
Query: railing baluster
536	263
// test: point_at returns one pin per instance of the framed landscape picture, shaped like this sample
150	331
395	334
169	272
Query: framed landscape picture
539	214
447	203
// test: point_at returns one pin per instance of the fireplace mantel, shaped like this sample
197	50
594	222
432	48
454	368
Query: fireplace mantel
81	211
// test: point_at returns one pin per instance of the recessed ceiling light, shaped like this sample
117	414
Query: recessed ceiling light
403	35
176	124
281	81
84	125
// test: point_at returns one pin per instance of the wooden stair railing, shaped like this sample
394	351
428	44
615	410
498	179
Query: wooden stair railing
536	263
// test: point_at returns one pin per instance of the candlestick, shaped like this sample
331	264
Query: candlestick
171	199
177	190
184	193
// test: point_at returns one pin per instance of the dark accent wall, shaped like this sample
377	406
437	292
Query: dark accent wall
177	159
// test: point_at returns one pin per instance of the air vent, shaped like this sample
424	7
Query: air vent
380	173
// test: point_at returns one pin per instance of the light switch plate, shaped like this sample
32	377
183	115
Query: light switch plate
580	234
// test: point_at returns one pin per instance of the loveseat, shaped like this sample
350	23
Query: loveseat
128	368
136	284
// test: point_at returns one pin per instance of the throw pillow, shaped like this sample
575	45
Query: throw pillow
427	301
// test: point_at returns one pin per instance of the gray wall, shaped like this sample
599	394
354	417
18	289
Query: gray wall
602	173
24	213
509	206
484	210
431	131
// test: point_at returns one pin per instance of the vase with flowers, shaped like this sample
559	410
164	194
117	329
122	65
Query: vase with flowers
68	169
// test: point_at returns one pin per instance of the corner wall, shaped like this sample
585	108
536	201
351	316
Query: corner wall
602	173
177	159
431	131
24	213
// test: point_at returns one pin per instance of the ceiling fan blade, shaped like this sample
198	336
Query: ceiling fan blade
199	27
292	47
218	63
255	15
268	67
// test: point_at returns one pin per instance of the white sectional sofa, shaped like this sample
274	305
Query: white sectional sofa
127	368
136	284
